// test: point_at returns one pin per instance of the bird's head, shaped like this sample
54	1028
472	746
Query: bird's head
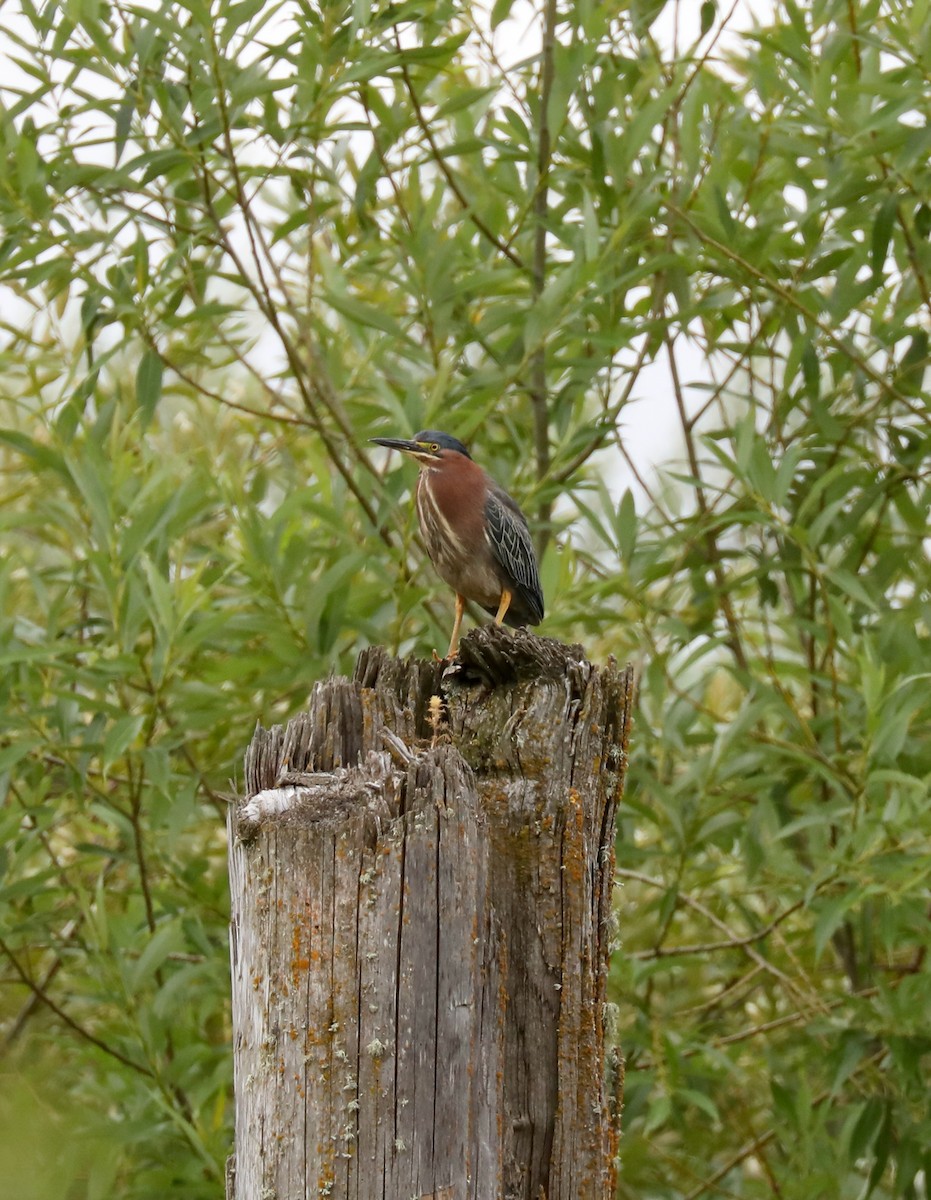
429	447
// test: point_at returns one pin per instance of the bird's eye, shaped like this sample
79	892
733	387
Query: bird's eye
435	447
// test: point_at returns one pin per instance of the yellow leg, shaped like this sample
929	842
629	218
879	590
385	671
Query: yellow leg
506	598
454	640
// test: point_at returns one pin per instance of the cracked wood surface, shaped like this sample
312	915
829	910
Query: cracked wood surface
421	927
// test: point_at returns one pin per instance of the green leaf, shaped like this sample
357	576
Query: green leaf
728	224
811	370
867	1127
365	314
700	1101
831	916
914	365
626	526
882	232
29	447
786	472
852	586
166	939
149	384
463	98
11	755
761	471
120	736
660	1110
124	116
501	10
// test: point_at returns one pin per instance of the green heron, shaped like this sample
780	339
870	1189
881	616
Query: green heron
476	536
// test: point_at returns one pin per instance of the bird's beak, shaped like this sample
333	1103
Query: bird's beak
403	444
417	450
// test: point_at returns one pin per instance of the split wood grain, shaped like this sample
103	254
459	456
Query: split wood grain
421	927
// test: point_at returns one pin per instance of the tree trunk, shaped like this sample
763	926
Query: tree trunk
421	878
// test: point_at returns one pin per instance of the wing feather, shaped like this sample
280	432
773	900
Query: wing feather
511	544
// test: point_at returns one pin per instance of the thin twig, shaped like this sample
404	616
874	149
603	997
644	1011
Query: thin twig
538	387
757	1144
715	920
713	947
788	297
436	153
73	1025
734	640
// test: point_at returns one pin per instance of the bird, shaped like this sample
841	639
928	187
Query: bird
476	536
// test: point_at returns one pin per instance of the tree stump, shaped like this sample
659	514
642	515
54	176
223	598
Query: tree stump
421	873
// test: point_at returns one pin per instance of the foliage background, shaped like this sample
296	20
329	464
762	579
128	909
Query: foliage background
241	238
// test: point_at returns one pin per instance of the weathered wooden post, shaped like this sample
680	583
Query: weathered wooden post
421	873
